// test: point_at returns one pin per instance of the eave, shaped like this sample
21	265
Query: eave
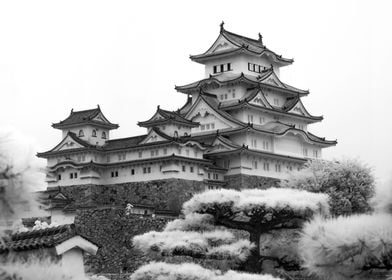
90	122
133	162
244	149
246	104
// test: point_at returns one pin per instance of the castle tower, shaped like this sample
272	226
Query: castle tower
241	127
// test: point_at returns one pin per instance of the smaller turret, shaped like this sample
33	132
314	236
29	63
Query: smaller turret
90	125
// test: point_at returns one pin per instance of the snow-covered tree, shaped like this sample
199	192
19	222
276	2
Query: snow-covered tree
351	247
19	176
189	271
227	225
349	183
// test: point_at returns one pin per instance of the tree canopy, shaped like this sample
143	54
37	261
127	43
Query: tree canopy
349	183
357	246
219	223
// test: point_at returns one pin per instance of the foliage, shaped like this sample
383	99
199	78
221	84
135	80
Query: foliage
218	244
349	184
249	202
356	246
215	222
19	176
189	271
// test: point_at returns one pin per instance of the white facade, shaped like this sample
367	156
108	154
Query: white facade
263	126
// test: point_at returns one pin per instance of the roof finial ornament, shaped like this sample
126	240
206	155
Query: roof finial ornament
98	106
71	110
222	26
260	38
158	107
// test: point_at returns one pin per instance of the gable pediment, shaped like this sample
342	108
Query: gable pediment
220	45
67	143
273	80
204	113
220	146
260	100
299	109
153	136
101	118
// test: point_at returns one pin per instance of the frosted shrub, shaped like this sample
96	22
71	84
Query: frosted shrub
189	271
349	184
351	247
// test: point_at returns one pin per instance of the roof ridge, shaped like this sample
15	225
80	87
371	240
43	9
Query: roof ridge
126	138
244	37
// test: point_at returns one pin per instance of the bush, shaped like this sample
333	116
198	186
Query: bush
349	184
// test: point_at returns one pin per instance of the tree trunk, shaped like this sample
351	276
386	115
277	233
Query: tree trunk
253	263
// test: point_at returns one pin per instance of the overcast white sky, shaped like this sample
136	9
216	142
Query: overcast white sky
128	55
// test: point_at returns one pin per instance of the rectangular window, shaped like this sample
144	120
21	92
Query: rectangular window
215	175
221	96
222	68
215	69
71	175
76	175
209	175
265	145
212	126
140	154
152	153
191	169
202	127
225	95
266	166
233	92
79	158
144	170
315	153
262	120
165	151
305	152
59	177
183	168
228	66
277	168
149	169
207	126
255	164
249	66
132	171
157	152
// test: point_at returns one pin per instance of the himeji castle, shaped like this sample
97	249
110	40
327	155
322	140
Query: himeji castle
241	126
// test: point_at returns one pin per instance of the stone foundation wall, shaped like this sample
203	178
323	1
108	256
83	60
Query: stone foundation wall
242	181
112	231
167	194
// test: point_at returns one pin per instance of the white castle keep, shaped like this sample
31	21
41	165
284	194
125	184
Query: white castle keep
241	120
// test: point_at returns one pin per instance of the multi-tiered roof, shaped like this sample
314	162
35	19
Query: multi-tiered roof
241	111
